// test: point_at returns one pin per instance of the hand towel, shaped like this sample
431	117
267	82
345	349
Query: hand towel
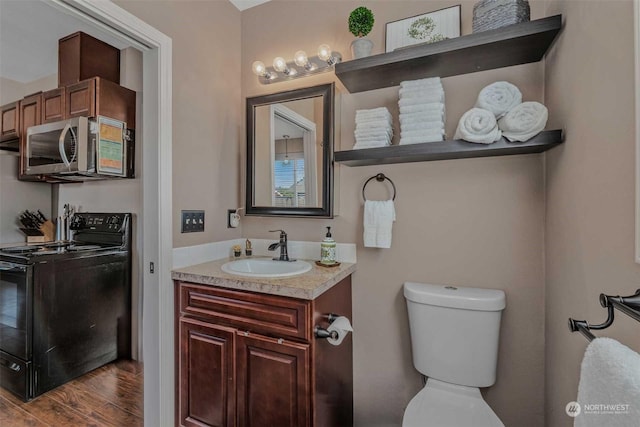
421	82
422	139
609	375
434	108
379	216
499	98
524	121
478	125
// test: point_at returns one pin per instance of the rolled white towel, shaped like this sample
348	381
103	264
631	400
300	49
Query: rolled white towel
403	102
524	121
499	97
433	107
408	140
421	82
478	125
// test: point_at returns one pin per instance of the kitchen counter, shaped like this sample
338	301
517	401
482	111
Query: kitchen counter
306	286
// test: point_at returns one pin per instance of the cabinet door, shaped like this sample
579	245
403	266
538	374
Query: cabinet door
273	382
206	375
10	121
81	99
30	115
53	102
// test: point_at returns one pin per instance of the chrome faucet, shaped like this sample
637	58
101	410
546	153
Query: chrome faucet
282	244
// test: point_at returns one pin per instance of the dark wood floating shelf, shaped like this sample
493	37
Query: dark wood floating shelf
511	45
446	150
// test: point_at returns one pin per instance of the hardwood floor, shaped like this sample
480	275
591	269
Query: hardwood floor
108	396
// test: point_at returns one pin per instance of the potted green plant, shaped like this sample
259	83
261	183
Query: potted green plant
360	24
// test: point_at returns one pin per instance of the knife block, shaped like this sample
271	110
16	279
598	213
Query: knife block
48	233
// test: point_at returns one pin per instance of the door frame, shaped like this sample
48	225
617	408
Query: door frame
156	132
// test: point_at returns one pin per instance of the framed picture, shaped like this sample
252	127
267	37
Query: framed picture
426	28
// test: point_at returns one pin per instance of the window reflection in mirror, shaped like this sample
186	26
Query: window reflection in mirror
289	149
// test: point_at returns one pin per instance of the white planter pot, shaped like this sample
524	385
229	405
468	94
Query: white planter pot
361	47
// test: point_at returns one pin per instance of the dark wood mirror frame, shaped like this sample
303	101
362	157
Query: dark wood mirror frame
327	92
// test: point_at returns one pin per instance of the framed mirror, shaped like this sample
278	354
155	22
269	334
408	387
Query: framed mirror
290	153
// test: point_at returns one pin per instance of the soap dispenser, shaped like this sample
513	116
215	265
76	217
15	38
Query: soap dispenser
328	249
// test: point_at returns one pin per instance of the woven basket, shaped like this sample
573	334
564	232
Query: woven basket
492	14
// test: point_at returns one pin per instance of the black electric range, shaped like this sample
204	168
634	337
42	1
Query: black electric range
65	307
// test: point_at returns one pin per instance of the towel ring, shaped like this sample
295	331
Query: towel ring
380	178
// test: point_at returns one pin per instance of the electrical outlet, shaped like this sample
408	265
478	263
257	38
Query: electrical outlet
192	221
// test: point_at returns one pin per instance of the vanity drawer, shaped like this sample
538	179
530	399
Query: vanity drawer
267	314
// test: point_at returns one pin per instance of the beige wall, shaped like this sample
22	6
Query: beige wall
206	109
589	187
476	222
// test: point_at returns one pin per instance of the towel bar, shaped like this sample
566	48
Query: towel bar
628	305
380	177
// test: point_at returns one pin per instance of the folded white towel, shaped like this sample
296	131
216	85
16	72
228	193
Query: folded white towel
434	107
373	132
381	113
421	82
424	96
426	119
524	121
429	133
420	126
478	125
499	98
373	125
403	102
374	138
408	140
609	375
418	92
362	145
379	216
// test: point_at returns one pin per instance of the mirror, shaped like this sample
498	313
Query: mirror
290	153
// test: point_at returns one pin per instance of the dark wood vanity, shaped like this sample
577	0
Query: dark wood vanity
245	358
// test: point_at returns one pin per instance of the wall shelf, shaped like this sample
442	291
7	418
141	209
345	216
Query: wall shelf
511	45
446	150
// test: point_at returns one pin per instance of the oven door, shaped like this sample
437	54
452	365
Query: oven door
16	305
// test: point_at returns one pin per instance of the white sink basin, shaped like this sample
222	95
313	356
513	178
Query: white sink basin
265	267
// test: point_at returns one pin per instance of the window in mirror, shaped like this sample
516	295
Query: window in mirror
289	153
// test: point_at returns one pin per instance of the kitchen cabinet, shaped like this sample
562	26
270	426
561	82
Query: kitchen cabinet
100	97
10	121
53	105
251	359
81	56
30	112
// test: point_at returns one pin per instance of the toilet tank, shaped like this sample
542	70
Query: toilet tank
455	332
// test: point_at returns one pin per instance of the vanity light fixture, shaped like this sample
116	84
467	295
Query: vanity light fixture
301	65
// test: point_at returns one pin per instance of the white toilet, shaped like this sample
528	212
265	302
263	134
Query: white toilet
454	338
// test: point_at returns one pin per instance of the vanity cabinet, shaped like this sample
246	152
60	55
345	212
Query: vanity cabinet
251	359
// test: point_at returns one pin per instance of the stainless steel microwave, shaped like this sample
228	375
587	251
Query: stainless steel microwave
80	148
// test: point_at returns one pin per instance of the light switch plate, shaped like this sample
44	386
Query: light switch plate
192	221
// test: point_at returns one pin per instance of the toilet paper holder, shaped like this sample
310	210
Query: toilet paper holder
319	332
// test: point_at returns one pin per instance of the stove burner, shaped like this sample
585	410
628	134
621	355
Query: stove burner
20	249
75	248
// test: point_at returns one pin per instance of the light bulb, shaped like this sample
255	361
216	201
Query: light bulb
279	64
285	161
300	58
324	52
258	68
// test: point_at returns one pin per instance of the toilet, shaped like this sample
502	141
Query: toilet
454	340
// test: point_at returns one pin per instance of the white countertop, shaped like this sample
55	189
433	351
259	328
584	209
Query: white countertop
307	286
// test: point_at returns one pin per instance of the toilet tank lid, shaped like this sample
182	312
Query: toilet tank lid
455	296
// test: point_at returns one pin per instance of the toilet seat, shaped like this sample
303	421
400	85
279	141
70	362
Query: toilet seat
441	404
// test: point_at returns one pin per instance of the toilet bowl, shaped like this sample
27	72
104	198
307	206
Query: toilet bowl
454	341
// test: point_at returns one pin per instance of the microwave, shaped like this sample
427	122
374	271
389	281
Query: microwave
79	149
